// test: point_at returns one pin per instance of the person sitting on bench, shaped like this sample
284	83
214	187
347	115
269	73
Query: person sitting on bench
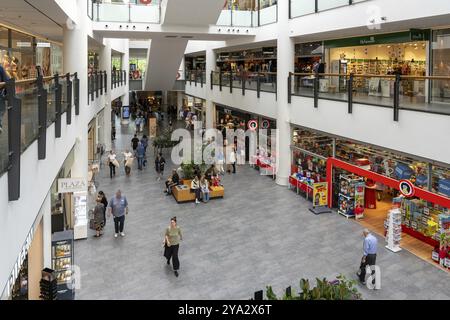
172	181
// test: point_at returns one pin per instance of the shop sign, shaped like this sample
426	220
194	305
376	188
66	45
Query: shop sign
43	45
418	35
320	194
406	188
371	40
253	125
21	44
18	265
265	124
399	37
72	185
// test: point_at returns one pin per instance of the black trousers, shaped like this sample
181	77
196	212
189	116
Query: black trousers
234	167
198	194
112	169
172	252
371	260
119	223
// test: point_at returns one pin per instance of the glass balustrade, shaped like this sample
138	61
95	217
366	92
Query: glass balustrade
304	7
50	87
28	94
126	11
4	147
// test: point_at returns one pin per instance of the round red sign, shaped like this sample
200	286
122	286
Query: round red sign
406	188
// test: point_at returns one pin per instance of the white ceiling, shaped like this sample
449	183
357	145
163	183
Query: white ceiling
39	17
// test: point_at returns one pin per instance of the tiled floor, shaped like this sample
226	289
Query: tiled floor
260	234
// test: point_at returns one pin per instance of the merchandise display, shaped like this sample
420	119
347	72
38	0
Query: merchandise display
393	226
80	215
351	194
62	263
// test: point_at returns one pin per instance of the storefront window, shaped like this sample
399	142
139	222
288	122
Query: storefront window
313	142
440	182
21	59
116	62
138	66
56	59
441	65
307	55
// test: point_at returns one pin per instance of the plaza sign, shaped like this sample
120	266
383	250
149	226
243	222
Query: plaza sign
72	185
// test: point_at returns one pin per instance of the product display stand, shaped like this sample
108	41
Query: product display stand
394	230
351	192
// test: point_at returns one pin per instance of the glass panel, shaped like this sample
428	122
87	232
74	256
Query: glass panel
4	147
377	91
28	94
215	78
90	9
441	66
440	182
3	37
43	59
333	87
268	82
242	18
63	83
56	59
226	79
329	4
114	12
303	85
313	142
302	7
148	13
267	12
224	18
51	107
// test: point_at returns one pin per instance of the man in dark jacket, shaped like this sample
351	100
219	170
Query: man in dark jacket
172	181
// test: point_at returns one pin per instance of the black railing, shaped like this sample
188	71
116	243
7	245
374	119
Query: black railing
27	109
399	92
118	78
196	77
243	81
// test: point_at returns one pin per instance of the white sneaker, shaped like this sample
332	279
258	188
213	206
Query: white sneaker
122	234
116	235
196	201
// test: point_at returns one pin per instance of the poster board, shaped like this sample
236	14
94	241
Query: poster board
152	127
320	194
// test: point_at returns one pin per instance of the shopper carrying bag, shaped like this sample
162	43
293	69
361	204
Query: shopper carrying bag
172	238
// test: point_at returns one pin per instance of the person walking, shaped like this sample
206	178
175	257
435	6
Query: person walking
140	152
105	205
195	187
232	160
220	162
369	258
204	186
99	221
159	165
134	143
172	238
144	141
112	162
128	161
118	207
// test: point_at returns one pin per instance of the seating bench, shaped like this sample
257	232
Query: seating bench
182	193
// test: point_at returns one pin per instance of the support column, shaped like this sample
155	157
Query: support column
105	65
75	50
126	67
210	108
47	231
285	64
180	96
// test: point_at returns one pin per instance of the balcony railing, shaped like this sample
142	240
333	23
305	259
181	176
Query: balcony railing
196	77
264	14
118	78
391	91
298	8
27	109
254	81
131	12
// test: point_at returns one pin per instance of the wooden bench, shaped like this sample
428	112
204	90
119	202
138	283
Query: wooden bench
182	193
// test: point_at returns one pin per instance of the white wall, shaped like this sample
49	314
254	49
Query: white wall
198	91
417	133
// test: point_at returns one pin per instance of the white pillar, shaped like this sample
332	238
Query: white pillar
180	96
47	231
210	107
75	51
126	67
285	64
182	69
105	65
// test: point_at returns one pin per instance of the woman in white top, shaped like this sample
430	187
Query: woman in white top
232	160
112	163
195	187
128	161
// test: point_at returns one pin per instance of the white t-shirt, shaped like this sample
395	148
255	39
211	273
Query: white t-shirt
112	157
127	155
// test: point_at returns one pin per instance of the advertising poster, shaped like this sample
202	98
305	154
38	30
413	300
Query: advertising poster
320	194
359	199
126	112
152	126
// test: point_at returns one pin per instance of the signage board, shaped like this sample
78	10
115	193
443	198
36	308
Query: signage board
72	185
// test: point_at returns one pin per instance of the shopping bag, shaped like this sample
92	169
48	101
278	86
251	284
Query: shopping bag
129	162
116	163
92	224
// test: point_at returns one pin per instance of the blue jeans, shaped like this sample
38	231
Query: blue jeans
140	162
205	196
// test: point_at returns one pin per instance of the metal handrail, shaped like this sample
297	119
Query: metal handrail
33	80
388	76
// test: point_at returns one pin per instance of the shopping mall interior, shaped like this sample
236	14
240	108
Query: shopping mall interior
208	149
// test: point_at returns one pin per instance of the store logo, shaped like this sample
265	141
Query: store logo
265	124
406	188
370	41
72	185
253	125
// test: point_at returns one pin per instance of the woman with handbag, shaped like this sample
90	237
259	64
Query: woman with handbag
112	162
128	161
172	240
98	217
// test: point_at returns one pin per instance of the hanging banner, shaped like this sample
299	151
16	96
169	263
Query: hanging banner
320	194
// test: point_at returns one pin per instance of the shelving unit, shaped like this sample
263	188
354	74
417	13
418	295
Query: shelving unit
351	190
62	263
393	225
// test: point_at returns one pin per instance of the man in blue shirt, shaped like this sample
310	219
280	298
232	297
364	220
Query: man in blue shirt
140	153
3	78
370	247
118	207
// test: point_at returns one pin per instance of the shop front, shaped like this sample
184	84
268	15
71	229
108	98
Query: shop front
403	53
252	60
366	182
441	65
308	56
23	55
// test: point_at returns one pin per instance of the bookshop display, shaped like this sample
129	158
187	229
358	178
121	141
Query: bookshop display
393	226
351	195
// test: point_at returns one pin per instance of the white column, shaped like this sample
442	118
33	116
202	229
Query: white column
210	108
47	231
75	51
126	67
182	69
285	64
105	65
